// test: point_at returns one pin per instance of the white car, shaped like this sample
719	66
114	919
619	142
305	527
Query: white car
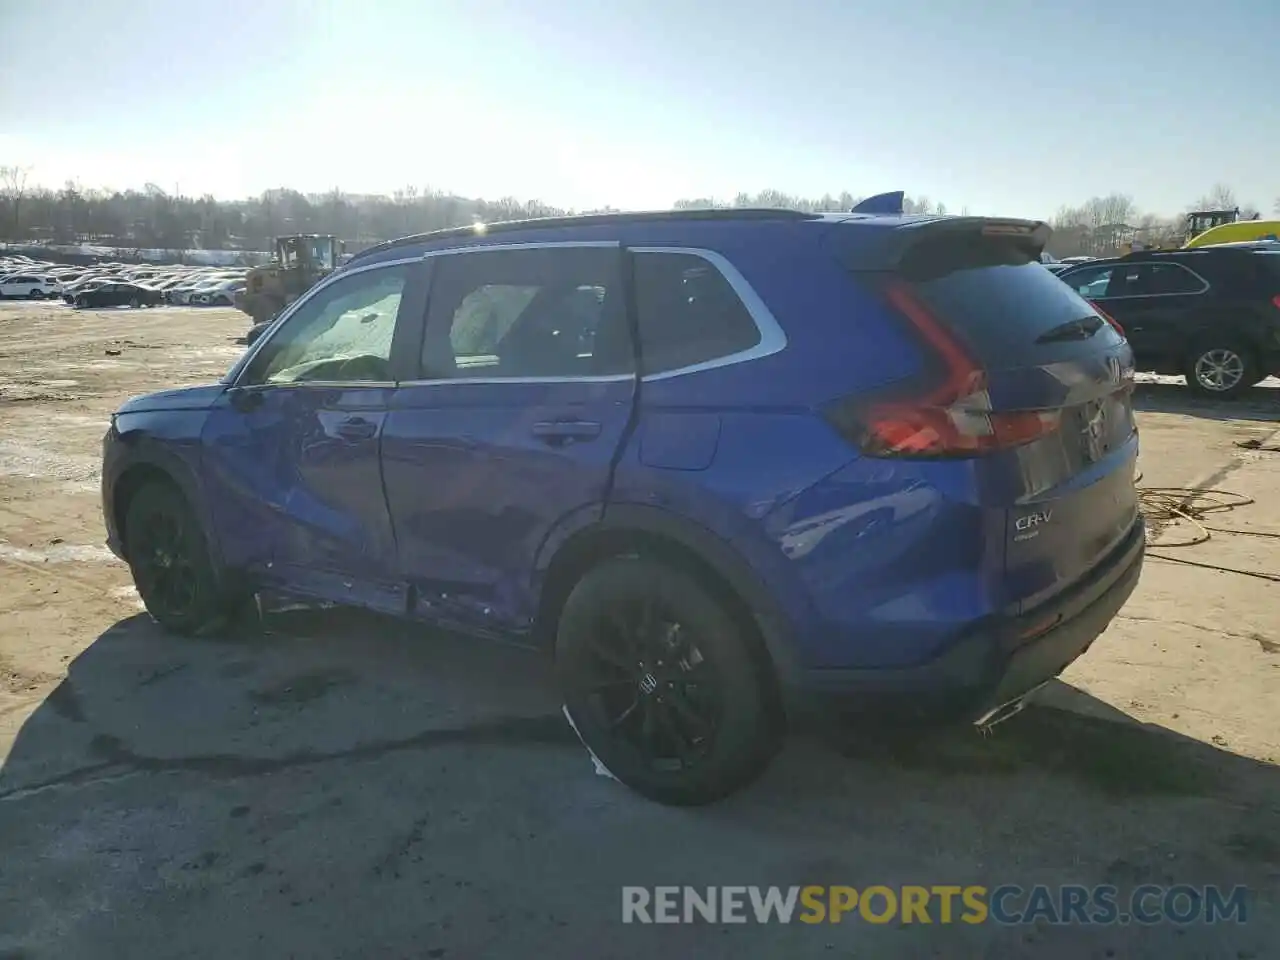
187	292
221	295
30	285
183	292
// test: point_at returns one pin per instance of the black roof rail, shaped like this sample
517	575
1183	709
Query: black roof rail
590	220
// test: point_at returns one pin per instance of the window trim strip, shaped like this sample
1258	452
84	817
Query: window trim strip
1149	296
772	337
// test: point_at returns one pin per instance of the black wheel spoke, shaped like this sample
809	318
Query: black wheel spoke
687	716
598	684
607	654
648	727
626	637
622	718
674	735
645	629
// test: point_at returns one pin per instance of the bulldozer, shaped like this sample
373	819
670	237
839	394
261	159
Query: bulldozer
1199	221
297	263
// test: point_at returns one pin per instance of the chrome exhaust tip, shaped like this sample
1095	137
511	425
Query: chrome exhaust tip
1005	711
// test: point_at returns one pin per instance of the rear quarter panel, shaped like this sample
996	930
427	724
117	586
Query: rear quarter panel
726	448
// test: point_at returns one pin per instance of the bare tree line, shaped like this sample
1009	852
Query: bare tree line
154	218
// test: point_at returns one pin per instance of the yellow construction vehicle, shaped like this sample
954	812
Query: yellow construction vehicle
1236	231
1198	221
298	262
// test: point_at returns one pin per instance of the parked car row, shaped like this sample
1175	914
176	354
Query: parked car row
1209	313
110	284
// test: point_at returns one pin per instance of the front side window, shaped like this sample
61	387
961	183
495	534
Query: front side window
1090	284
687	312
540	312
341	334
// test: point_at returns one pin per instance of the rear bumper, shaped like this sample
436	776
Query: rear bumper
996	661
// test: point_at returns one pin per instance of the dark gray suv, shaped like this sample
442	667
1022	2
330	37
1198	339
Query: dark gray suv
1211	314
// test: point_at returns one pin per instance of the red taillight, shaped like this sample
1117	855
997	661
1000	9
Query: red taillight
1107	317
952	419
1276	300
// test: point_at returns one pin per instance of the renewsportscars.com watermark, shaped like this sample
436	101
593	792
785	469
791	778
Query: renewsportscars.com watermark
940	904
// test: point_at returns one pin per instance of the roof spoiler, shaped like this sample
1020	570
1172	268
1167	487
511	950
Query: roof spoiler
883	203
898	239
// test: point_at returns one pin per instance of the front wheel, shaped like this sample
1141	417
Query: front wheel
172	567
663	684
1223	369
81	302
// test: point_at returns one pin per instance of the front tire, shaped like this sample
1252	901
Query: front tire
171	562
1221	368
663	684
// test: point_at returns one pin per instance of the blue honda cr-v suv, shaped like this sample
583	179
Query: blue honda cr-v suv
722	463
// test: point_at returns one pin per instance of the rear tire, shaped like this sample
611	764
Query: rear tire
663	684
1221	368
171	562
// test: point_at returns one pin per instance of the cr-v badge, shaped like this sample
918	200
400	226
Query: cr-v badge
1029	526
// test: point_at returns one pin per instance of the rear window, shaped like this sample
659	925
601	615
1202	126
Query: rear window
1269	266
995	298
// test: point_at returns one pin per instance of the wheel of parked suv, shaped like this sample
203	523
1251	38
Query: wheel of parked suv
663	684
35	294
171	563
81	302
1222	368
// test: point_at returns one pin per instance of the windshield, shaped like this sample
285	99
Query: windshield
320	250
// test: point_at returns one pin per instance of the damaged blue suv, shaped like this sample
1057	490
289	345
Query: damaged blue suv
721	463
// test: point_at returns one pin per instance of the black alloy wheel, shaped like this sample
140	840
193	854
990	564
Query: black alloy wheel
172	567
663	683
652	686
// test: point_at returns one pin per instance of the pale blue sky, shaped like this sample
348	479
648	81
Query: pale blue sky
1006	106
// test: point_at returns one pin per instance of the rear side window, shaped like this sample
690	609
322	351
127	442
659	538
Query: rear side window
688	313
1170	278
994	297
1269	268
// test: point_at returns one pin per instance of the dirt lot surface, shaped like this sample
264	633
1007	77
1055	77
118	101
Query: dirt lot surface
349	787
